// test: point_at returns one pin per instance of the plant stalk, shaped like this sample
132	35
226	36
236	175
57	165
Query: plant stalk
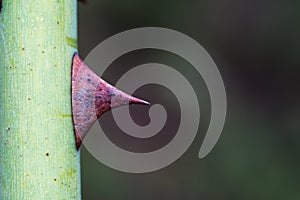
38	158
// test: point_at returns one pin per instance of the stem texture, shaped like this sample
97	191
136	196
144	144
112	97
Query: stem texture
38	158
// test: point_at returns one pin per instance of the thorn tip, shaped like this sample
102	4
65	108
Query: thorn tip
135	100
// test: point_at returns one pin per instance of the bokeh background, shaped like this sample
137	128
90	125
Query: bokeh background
255	45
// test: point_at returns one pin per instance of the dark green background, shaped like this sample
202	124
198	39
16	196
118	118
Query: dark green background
255	45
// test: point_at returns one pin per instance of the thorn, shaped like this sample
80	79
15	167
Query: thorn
134	100
91	97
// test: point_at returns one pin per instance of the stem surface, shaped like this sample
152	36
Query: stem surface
38	158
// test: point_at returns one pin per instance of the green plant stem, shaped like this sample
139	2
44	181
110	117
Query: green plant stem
38	158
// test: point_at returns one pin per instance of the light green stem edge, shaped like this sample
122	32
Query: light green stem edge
38	158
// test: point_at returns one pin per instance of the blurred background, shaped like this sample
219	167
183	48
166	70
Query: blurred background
255	45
